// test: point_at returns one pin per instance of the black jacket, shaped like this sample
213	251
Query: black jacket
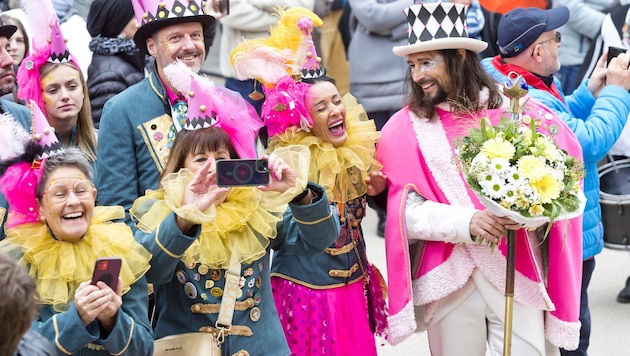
489	33
108	75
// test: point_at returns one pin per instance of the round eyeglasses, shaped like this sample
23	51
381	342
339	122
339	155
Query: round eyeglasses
59	193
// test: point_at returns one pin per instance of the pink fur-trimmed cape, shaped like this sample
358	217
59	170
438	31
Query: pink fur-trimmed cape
418	155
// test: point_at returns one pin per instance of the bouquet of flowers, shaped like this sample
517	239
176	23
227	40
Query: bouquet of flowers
520	173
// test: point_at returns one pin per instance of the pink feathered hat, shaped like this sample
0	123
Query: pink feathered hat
153	15
213	105
49	46
280	62
21	163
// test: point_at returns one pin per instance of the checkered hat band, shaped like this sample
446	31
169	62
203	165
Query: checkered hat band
429	24
176	10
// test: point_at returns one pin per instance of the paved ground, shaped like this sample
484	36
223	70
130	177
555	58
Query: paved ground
611	320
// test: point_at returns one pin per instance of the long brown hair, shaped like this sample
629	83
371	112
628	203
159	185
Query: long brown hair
467	80
86	134
208	139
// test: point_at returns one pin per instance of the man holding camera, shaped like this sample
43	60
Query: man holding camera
138	125
596	111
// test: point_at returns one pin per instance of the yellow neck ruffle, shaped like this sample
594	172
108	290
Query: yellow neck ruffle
245	221
340	170
241	222
58	267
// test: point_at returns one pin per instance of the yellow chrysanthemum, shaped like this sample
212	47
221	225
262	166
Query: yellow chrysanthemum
531	167
536	210
498	148
548	188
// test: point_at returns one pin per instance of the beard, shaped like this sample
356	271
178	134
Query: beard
6	85
6	89
436	98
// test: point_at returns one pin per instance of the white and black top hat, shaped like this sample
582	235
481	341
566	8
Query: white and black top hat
437	26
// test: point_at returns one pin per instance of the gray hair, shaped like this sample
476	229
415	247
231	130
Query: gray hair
69	157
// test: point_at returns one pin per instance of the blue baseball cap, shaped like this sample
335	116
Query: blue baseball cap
521	27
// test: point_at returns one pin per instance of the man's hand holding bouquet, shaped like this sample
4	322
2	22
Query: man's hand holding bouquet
518	172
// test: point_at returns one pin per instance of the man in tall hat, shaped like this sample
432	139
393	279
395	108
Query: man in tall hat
442	278
138	125
7	85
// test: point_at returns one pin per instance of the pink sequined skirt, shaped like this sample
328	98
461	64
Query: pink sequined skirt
324	321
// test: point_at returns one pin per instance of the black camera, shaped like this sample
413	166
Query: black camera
242	172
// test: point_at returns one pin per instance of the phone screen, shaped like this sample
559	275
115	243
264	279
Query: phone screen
107	270
242	172
614	52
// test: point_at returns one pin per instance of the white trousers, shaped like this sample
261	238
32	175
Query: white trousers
470	322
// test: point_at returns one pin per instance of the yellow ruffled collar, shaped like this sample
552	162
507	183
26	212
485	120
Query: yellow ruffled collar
241	223
340	170
58	267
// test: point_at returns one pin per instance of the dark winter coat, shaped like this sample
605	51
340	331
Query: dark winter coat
113	69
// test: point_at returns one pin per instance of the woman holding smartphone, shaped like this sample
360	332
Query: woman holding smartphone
200	234
57	232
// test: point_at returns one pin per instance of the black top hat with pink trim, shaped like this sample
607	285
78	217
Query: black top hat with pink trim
153	15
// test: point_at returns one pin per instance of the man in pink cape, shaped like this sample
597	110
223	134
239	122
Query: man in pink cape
440	278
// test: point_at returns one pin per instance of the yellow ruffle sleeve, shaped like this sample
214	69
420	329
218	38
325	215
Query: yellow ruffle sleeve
298	158
58	267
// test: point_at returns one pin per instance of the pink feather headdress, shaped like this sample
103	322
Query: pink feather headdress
279	63
22	164
48	46
212	105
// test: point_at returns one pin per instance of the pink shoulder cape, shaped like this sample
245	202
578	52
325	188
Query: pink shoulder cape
414	153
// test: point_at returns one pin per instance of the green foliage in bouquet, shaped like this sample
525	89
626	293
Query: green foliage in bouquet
521	169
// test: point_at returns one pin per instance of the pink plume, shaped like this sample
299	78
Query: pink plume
221	107
41	17
179	75
266	64
13	137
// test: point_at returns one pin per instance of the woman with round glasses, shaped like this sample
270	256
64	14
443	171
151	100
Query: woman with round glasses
60	249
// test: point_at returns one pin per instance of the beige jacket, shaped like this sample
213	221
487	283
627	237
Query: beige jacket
249	19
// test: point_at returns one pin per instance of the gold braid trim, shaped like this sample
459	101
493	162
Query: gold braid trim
239	330
199	308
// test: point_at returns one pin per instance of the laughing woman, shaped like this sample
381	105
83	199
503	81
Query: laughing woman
330	303
56	231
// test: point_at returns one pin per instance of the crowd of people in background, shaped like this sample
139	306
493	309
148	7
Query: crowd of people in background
111	137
